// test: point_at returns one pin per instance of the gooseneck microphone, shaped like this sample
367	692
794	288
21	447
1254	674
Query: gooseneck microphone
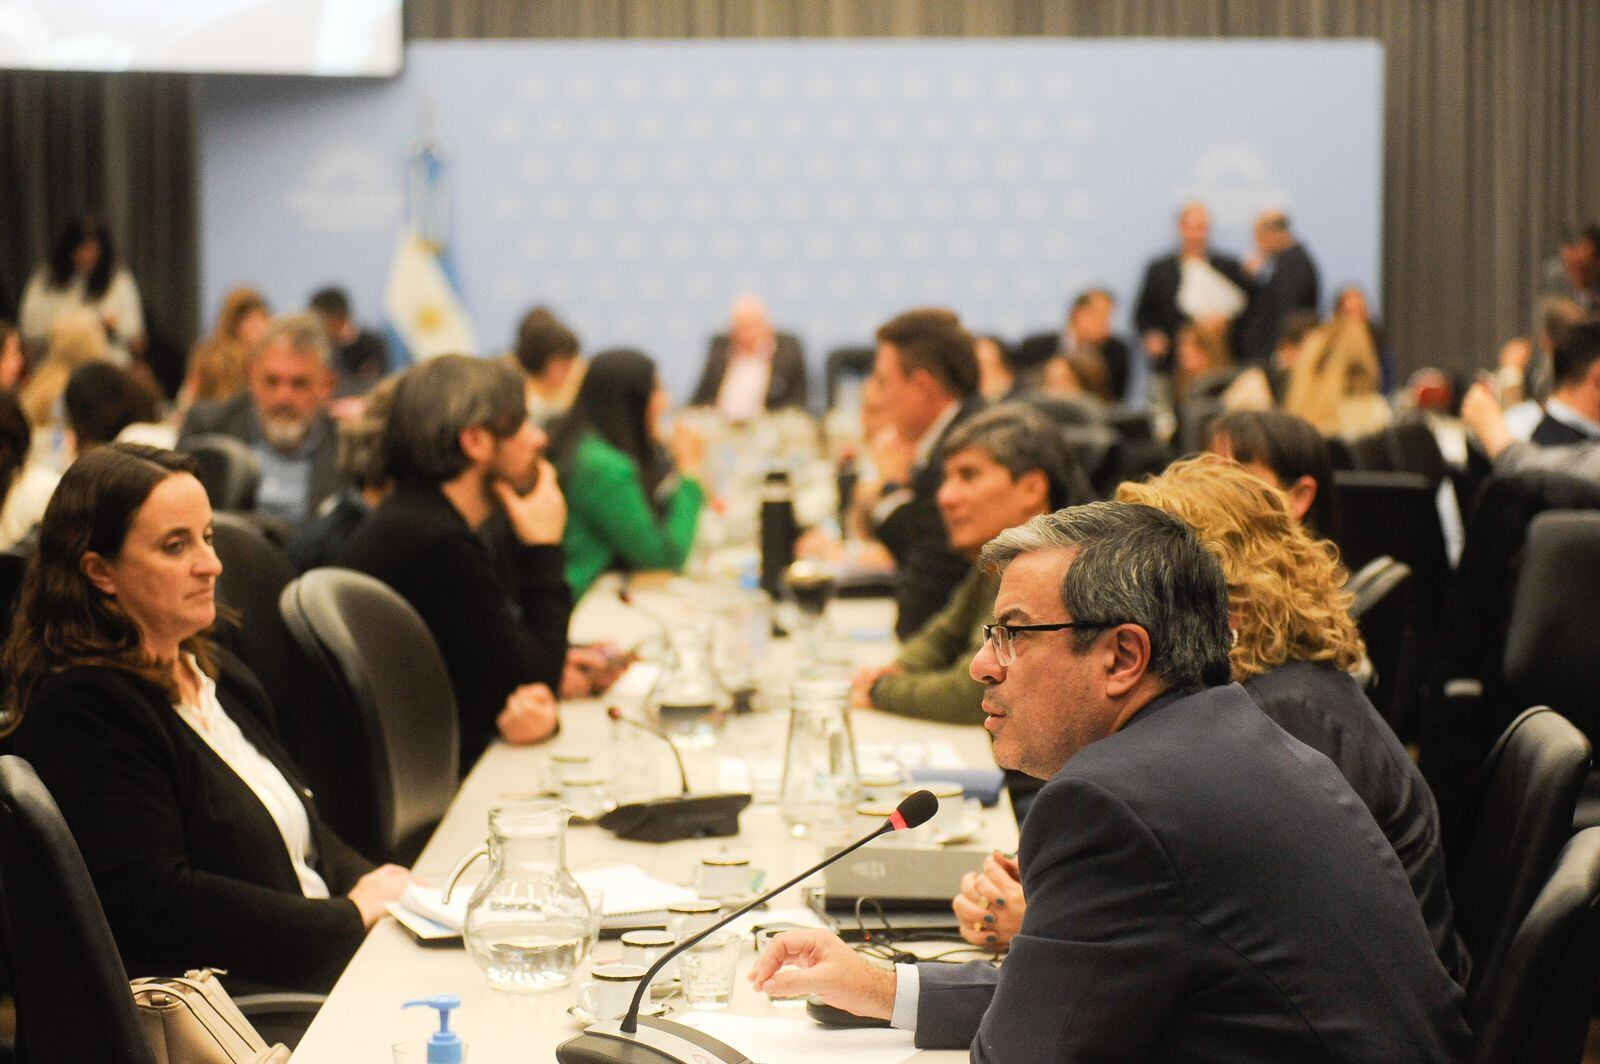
631	1040
650	729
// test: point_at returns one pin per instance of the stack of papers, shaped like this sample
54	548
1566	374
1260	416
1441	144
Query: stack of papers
627	890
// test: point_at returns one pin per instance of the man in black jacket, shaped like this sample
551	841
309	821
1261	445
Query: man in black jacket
925	381
283	417
1572	413
460	447
1286	281
1161	308
1217	892
752	367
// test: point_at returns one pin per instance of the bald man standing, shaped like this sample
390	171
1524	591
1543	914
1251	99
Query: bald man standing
751	367
1286	281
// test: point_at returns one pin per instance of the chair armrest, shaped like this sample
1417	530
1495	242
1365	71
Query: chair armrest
280	1004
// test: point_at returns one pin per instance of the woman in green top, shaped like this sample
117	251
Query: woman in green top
629	504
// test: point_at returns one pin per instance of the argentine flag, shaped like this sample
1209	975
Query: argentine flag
421	299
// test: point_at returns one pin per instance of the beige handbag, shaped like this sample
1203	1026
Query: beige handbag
192	1020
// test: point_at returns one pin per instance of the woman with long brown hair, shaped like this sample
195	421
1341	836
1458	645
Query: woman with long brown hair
204	846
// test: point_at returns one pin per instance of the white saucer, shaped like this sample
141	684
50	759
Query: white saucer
962	834
653	1008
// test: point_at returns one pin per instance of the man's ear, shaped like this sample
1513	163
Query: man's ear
98	570
1037	486
477	443
1302	496
1130	659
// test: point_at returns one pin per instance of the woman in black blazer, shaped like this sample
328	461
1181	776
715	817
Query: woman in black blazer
204	844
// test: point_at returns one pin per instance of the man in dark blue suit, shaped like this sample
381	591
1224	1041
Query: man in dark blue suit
1201	886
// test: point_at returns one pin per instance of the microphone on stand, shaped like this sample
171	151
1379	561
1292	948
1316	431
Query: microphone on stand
632	1040
686	816
683	777
625	596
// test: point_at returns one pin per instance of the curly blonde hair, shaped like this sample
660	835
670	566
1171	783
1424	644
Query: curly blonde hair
1285	588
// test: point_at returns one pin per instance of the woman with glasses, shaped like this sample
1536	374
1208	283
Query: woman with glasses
1294	650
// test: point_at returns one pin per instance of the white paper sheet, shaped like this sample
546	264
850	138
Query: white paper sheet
770	1041
627	889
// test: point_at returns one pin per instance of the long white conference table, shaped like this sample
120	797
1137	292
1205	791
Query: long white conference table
363	1018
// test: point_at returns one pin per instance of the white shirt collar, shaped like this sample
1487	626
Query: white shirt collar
1569	417
931	437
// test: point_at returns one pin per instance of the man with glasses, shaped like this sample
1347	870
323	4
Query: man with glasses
461	450
1201	885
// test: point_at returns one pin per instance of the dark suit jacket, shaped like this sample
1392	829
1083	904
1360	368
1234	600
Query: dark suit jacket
1327	710
927	570
1203	887
189	865
1292	285
237	417
1157	307
787	386
1552	433
497	628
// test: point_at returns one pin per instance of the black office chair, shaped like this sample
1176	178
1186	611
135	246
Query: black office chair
254	574
1534	1007
229	469
13	566
1394	514
1514	824
1383	610
403	737
71	989
846	363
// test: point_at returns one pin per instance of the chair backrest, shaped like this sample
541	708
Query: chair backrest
1395	514
13	566
1554	628
1383	610
1534	1006
853	363
1516	820
396	692
229	469
71	989
304	696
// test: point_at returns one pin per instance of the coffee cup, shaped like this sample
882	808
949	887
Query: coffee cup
610	990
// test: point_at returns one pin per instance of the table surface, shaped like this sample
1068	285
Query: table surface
362	1017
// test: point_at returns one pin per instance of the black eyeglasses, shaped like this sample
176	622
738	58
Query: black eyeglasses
1001	635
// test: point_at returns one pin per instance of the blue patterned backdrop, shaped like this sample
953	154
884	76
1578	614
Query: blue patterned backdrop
638	187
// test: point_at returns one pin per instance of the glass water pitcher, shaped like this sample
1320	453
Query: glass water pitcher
528	923
819	765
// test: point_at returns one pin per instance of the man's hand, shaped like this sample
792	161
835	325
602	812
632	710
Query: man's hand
530	715
539	517
376	889
1516	353
1480	410
818	962
990	905
892	456
583	669
861	686
1155	342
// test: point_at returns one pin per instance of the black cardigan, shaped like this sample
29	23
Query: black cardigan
499	624
189	865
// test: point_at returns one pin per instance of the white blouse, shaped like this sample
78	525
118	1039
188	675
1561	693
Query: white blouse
43	303
219	731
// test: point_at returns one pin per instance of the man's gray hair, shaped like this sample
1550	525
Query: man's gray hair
1022	439
435	402
1135	565
303	333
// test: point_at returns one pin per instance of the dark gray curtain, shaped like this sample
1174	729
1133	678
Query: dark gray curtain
1492	133
119	146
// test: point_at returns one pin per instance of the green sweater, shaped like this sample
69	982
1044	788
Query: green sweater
935	684
610	520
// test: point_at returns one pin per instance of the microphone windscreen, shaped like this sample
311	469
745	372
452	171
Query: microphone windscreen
915	810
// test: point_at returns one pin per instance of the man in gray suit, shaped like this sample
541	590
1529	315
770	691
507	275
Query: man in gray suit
1201	886
283	416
